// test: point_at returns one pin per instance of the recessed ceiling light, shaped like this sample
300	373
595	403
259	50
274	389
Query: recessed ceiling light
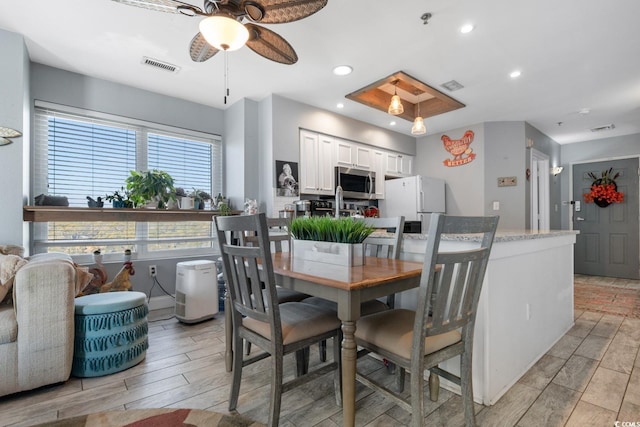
466	28
340	105
392	123
515	74
342	70
584	111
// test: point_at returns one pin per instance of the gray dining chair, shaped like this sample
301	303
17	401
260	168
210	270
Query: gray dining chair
277	329
387	246
442	325
280	239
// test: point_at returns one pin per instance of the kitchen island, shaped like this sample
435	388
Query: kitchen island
526	304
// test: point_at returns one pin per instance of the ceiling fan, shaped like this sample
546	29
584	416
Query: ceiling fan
230	24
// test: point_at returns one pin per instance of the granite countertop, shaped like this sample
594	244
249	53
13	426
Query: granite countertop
501	235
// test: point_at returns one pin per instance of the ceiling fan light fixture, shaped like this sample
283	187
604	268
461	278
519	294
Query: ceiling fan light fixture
224	32
418	127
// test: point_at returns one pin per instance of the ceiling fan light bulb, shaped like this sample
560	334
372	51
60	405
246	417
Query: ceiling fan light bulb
223	32
418	127
395	108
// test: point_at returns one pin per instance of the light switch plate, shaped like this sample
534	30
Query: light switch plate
496	205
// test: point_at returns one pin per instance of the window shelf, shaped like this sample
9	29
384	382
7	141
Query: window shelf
75	214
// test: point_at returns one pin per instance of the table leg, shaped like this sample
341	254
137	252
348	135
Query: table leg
349	355
228	334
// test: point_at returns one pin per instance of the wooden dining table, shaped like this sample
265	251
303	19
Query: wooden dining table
348	287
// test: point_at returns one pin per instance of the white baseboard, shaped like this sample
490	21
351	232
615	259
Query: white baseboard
163	301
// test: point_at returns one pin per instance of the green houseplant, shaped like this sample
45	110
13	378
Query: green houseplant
325	239
151	186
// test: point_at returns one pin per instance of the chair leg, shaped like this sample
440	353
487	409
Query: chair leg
434	386
400	379
322	347
302	361
466	386
417	398
237	372
276	388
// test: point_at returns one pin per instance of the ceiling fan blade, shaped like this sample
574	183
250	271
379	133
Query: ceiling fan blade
200	50
270	45
171	6
280	11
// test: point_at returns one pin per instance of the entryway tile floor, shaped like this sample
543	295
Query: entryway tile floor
591	377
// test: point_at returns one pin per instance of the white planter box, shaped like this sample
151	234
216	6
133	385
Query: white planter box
328	252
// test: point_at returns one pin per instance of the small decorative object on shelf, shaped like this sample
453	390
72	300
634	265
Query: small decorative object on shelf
604	189
98	203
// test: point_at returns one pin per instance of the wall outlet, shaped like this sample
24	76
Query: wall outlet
152	270
496	205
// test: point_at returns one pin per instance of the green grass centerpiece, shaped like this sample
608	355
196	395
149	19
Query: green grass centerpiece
329	240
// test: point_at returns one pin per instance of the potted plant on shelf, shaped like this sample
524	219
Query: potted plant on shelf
325	239
155	186
199	198
119	199
184	200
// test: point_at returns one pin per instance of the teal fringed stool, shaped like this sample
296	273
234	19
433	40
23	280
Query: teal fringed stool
110	333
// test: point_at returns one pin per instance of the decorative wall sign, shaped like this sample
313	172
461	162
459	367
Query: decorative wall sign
507	181
462	153
286	178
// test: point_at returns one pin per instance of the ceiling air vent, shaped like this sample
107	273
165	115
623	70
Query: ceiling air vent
159	64
602	128
452	85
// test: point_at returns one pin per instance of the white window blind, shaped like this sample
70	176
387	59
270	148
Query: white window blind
82	153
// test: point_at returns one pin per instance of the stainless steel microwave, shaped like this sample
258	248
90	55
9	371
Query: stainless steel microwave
356	183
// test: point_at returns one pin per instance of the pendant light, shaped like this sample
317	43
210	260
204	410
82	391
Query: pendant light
395	108
418	127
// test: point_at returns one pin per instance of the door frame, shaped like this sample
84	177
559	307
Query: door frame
539	182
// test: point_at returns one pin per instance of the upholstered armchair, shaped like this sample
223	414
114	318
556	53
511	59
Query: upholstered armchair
37	328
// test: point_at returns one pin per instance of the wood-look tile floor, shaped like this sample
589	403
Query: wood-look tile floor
591	377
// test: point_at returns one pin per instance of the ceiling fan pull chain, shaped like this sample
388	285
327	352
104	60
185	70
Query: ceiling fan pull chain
226	77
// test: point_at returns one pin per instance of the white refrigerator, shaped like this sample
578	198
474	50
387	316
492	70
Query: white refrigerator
415	197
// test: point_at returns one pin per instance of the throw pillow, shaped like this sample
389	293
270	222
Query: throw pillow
12	250
9	266
83	279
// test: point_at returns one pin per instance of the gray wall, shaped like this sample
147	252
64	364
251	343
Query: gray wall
596	150
14	158
465	190
76	90
500	149
505	157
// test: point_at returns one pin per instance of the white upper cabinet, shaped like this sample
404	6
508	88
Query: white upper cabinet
316	164
398	165
352	155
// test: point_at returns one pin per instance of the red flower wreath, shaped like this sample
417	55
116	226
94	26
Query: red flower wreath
604	189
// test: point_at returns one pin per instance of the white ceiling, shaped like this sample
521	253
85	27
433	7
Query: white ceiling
573	54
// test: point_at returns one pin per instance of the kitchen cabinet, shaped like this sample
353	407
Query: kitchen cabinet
352	155
398	165
316	164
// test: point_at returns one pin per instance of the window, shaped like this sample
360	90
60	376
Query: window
80	154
